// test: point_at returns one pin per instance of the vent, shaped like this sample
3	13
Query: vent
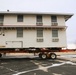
54	23
39	23
55	40
40	40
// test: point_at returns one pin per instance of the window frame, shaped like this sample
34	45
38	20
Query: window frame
19	18
53	18
1	18
54	32
19	32
39	32
39	18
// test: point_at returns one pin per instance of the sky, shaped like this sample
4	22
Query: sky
58	6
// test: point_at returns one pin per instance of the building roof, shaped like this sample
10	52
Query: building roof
66	15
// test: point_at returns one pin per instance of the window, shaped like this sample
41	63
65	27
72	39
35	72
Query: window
54	33
19	18
1	19
53	18
39	32
39	18
19	32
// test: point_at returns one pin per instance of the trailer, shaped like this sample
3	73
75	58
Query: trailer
42	53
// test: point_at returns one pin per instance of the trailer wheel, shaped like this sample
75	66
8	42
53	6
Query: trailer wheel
40	55
0	55
43	56
53	56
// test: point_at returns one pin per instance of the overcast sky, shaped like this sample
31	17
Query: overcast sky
61	6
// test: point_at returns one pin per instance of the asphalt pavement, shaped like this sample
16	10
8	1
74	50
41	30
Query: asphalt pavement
30	65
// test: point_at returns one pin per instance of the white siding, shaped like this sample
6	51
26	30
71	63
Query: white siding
13	44
30	37
31	20
46	20
12	20
61	20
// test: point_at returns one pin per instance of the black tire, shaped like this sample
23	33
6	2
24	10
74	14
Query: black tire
0	55
53	56
43	56
40	55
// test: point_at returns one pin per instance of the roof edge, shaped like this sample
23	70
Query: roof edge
66	15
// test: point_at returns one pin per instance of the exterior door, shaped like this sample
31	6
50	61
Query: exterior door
14	44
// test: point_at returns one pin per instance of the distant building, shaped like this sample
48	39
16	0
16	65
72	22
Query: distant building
28	29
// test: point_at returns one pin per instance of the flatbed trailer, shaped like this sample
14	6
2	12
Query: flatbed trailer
42	53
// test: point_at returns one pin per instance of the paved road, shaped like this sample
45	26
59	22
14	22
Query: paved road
36	66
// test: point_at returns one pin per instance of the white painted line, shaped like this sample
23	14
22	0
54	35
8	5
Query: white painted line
25	72
42	68
11	70
69	62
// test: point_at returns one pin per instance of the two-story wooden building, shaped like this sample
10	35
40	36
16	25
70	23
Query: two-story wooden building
33	30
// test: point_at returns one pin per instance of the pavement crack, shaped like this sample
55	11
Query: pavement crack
47	67
8	69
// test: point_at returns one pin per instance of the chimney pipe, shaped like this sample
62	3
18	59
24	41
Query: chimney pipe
7	10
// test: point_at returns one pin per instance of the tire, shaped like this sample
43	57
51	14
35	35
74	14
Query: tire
43	56
0	55
53	56
40	55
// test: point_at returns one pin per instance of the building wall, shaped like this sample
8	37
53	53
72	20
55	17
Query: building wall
29	39
61	20
31	20
46	20
27	20
30	35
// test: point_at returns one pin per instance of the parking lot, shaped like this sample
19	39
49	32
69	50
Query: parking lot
17	65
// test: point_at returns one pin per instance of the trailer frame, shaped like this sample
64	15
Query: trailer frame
42	53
